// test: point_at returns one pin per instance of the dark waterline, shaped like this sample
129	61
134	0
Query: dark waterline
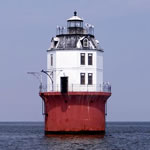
119	136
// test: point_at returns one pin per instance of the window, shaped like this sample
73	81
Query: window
82	78
78	23
51	59
90	59
82	58
90	78
85	42
55	43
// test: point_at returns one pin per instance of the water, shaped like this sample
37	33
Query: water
119	136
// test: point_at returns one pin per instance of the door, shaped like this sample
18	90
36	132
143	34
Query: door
64	84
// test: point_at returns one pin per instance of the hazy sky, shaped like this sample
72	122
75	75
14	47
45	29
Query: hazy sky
121	26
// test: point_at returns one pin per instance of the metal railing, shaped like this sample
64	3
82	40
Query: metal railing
106	87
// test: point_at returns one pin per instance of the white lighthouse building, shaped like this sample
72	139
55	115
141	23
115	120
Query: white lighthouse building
75	59
75	97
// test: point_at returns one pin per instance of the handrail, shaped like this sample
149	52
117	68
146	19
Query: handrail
106	87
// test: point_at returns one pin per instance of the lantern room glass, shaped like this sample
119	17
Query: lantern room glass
75	24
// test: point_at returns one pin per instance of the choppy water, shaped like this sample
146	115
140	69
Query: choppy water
119	136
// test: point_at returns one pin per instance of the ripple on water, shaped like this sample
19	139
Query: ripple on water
119	136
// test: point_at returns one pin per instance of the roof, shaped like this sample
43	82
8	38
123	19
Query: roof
75	17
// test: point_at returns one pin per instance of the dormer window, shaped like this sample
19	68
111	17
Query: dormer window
55	43
85	42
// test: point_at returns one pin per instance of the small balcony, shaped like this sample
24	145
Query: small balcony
106	87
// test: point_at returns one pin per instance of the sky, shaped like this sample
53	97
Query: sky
123	29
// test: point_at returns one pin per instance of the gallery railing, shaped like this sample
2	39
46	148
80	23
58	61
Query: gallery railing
106	87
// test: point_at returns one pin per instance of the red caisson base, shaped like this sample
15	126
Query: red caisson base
75	112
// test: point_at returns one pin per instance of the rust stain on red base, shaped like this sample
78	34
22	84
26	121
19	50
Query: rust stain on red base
74	111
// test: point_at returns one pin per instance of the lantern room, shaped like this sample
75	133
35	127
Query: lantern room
75	24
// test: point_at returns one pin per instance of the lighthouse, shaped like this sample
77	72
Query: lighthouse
75	95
